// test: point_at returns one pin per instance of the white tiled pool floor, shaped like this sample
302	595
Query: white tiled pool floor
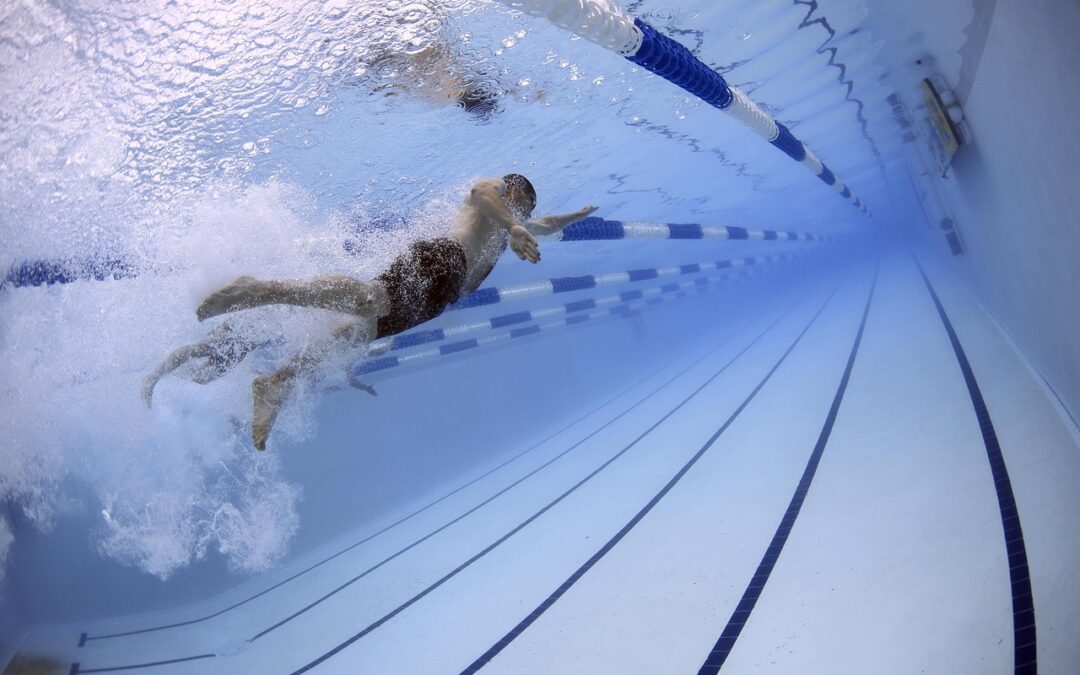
637	537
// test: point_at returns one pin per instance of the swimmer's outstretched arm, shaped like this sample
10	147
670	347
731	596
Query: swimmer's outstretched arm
545	225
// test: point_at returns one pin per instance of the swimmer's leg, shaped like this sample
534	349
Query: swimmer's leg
174	360
269	392
335	291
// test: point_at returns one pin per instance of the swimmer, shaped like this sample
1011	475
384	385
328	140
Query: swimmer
434	74
416	287
442	73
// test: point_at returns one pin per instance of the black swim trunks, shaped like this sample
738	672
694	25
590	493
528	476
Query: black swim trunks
421	282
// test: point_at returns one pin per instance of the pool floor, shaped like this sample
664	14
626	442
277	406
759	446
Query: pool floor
817	492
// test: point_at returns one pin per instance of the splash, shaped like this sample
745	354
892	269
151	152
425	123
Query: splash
173	135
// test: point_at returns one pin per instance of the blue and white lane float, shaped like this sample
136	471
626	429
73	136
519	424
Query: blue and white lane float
608	25
596	229
423	337
492	295
34	273
647	298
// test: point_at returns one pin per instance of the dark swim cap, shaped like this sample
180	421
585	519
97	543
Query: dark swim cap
516	180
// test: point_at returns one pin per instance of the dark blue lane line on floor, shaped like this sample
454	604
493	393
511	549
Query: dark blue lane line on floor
535	471
524	624
1024	657
75	670
84	637
722	649
496	495
545	509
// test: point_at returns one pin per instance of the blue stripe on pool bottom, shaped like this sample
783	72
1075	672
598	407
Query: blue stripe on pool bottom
76	670
1024	637
581	571
539	513
459	518
741	615
84	637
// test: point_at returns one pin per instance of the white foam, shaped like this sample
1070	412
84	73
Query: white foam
173	483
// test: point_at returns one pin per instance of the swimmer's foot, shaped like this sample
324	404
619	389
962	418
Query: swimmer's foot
361	386
268	395
243	293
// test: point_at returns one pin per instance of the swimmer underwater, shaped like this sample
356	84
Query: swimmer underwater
416	287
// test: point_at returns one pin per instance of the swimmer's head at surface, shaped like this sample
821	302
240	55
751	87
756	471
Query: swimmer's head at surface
520	195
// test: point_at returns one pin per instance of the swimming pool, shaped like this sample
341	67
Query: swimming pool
728	423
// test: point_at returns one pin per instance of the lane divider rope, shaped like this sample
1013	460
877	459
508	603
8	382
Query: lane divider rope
623	304
595	229
493	295
418	338
605	23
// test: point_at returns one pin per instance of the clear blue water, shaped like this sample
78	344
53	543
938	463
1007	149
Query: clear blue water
204	140
208	142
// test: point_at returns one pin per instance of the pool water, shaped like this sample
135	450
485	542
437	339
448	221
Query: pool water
852	452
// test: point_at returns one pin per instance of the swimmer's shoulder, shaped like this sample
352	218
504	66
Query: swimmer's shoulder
469	216
493	182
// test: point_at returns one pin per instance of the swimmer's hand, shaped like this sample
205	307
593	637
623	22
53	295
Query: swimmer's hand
584	213
524	244
361	386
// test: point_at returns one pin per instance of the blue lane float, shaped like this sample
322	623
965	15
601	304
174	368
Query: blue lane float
492	295
599	229
606	24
